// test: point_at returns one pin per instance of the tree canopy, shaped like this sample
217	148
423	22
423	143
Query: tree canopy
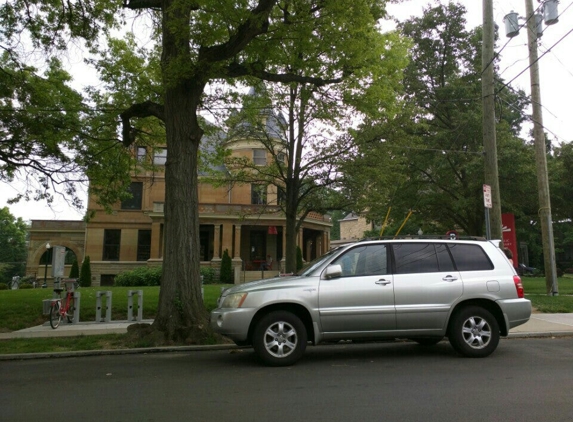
430	156
12	246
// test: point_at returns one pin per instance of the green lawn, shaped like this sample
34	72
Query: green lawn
536	292
23	308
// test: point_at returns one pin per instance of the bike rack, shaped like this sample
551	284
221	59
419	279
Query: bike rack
107	295
139	294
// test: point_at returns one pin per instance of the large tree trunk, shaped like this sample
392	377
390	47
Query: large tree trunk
180	312
291	233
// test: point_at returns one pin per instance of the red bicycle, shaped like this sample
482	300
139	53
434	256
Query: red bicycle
65	310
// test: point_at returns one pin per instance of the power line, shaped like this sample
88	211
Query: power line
539	58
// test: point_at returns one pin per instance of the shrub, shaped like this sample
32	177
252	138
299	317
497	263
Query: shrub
86	273
142	276
568	270
559	272
75	270
226	276
208	275
299	263
25	286
3	286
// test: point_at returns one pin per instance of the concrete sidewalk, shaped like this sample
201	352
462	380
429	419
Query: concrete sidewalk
69	330
539	325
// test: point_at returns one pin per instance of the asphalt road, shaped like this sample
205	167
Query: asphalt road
524	380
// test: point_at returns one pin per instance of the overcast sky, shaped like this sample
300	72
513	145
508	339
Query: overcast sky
556	73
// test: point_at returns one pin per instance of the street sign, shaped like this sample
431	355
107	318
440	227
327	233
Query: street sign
487	196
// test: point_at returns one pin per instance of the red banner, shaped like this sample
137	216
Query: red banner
509	236
273	230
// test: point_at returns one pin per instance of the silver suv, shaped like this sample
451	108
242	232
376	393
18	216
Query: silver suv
418	289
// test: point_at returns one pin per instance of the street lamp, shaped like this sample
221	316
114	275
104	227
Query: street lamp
46	267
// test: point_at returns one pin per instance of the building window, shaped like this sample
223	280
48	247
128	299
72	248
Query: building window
111	243
143	245
260	157
160	157
133	203
258	194
141	154
281	196
281	157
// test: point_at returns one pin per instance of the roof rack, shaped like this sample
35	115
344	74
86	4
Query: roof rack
425	236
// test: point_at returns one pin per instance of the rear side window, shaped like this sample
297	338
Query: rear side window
412	258
470	257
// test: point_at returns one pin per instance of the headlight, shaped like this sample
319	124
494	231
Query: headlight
234	300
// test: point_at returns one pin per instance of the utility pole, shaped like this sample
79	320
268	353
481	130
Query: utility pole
541	158
488	123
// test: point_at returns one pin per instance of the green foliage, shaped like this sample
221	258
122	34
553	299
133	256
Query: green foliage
429	157
299	261
86	273
75	270
3	286
142	276
208	275
227	275
12	245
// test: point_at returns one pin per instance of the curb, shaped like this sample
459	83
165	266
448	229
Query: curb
540	334
106	352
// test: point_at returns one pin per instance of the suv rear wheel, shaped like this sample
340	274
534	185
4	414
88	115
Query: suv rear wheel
279	338
474	332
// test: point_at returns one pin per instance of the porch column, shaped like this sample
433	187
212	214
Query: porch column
237	248
300	240
217	241
319	251
227	238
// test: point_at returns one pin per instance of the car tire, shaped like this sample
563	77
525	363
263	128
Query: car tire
280	338
474	332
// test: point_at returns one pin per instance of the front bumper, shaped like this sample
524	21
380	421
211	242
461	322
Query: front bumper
233	323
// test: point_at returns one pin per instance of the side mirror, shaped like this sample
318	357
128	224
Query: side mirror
333	271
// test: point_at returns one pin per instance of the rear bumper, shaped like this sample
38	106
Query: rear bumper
515	311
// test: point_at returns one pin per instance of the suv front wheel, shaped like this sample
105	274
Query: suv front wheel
474	332
279	338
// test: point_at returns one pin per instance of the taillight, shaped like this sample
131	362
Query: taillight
518	286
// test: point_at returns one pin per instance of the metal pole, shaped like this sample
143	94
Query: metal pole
541	158
487	225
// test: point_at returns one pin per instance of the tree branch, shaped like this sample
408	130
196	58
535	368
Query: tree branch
145	109
236	70
142	4
256	24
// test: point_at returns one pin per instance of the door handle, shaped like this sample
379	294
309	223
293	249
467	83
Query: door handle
382	282
449	278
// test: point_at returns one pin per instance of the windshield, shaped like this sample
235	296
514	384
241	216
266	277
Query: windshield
313	265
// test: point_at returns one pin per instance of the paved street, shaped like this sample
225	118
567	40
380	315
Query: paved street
524	380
